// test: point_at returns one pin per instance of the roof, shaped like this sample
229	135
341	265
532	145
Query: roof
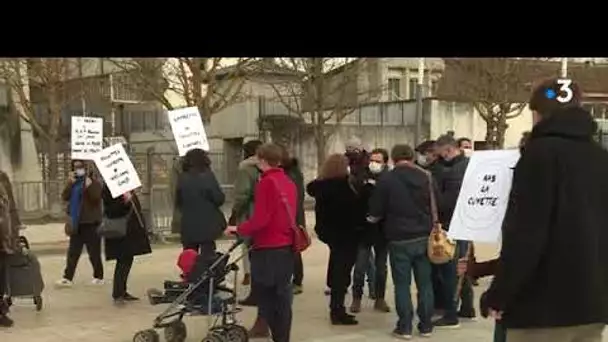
510	79
257	66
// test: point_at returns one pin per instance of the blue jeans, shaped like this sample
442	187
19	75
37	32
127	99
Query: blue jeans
407	256
449	281
365	266
500	333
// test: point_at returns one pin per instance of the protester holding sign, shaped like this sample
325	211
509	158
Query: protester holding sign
83	196
455	164
123	249
551	282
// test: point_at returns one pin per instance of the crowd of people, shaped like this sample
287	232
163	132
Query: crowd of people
377	209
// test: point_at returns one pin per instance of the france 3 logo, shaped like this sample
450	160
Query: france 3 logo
565	92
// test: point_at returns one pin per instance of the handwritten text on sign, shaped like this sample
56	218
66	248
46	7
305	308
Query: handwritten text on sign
117	170
484	195
87	137
188	129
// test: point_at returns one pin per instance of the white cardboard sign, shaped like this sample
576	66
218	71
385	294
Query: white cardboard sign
87	137
188	129
484	195
117	171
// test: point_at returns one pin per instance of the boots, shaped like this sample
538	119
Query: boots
246	279
340	317
259	329
355	306
5	321
381	305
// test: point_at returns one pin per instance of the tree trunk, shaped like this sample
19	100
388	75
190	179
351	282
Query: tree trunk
321	143
495	132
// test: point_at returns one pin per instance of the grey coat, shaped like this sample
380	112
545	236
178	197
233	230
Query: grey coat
199	198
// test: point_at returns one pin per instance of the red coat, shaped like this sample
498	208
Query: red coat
270	226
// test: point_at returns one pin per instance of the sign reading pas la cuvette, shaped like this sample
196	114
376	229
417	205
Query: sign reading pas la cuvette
188	130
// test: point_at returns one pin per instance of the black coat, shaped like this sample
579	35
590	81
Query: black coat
449	182
339	210
200	198
402	199
293	171
136	241
553	267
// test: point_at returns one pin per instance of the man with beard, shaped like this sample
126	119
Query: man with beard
455	164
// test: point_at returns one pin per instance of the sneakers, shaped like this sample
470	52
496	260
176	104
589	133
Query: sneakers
64	283
97	282
444	323
403	335
468	314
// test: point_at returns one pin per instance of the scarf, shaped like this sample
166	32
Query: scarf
75	200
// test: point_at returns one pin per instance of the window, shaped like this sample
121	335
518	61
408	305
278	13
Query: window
394	89
413	85
434	87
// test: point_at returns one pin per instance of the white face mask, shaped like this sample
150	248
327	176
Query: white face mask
80	172
468	152
422	159
375	167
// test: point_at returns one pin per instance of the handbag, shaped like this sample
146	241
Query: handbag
301	238
115	228
440	249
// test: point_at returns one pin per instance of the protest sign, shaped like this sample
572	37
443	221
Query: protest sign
87	137
484	195
117	170
188	130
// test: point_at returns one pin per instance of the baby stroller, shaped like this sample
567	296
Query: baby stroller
203	294
24	275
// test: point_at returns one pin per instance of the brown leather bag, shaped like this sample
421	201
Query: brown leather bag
440	248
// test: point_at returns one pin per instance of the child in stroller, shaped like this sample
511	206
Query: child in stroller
202	291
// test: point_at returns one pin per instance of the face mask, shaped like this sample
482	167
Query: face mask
375	167
422	159
468	152
80	172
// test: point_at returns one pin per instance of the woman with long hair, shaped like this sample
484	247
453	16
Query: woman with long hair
340	218
199	198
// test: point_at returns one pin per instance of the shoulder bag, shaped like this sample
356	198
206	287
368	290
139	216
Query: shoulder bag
440	248
301	238
116	228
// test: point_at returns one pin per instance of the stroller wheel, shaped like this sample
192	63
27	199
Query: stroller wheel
149	335
38	303
214	337
236	333
176	332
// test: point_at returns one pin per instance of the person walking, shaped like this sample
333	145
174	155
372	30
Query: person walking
404	202
270	228
83	196
292	168
551	281
124	249
340	219
199	198
455	164
372	255
10	224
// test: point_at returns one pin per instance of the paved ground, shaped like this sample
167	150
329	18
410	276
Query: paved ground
87	313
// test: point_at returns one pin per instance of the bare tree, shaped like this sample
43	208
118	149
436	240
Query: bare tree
498	88
322	92
197	81
44	82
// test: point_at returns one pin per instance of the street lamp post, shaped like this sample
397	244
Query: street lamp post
419	94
